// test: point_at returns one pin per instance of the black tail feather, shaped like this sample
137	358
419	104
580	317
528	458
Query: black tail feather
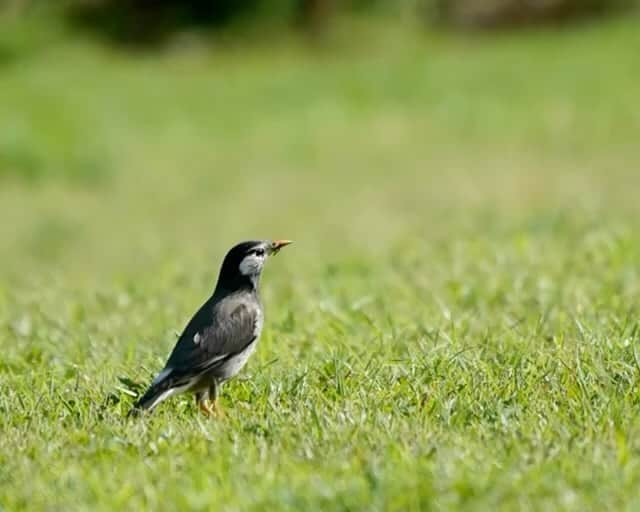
147	401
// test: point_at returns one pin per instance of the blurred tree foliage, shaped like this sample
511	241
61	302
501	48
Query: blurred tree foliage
149	21
508	13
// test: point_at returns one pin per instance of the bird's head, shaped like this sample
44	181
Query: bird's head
244	262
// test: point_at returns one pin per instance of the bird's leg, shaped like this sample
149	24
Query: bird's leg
214	391
202	399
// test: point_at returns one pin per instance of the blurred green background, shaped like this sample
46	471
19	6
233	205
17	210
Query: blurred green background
448	166
181	127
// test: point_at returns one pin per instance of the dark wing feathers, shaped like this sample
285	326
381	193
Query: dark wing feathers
222	331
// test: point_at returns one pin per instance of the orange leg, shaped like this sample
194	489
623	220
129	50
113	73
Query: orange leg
206	408
216	409
208	401
210	408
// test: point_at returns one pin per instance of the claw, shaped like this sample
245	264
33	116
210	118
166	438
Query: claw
217	410
205	407
211	408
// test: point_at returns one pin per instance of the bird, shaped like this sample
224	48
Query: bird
220	337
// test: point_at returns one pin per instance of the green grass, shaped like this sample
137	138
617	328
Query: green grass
456	327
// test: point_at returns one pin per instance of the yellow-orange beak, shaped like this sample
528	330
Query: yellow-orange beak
276	245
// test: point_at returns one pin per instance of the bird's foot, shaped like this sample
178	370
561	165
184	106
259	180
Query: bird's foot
211	408
205	408
217	410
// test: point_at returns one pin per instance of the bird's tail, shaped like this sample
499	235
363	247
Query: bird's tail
147	402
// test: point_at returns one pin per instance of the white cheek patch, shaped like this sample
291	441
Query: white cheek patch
196	338
251	265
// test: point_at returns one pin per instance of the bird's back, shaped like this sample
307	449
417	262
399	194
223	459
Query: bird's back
222	328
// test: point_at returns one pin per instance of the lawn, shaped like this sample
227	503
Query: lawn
455	328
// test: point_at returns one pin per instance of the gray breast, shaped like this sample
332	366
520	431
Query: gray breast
234	364
259	322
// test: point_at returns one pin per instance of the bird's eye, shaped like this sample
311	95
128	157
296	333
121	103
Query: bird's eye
259	252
